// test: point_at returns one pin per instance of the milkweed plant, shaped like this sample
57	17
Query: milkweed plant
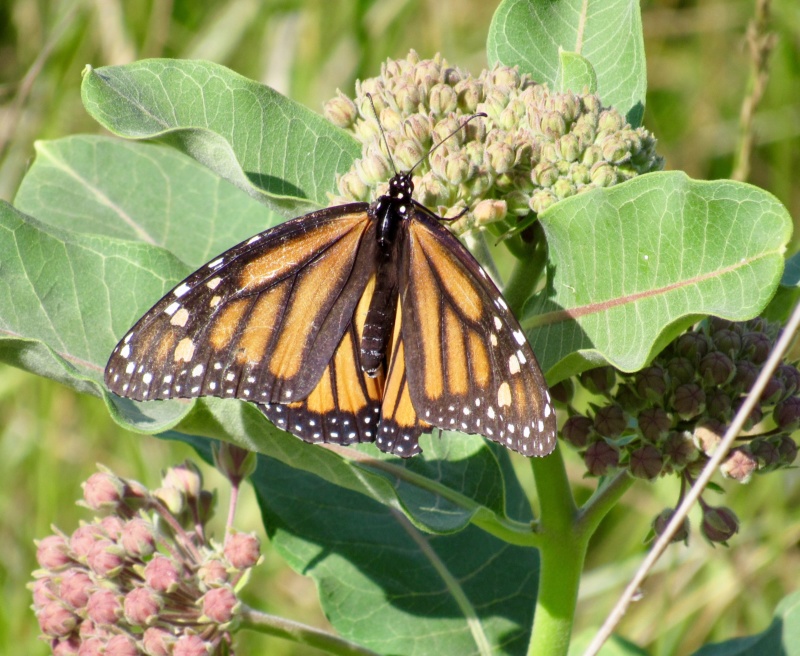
649	299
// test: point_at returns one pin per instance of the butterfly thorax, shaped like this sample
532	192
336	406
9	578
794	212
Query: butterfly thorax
391	209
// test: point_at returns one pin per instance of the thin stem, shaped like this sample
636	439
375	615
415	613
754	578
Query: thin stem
300	633
760	43
232	507
709	470
603	500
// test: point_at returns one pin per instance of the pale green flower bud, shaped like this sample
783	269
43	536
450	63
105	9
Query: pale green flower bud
579	174
443	100
553	125
408	99
603	175
518	203
341	111
469	95
390	119
569	147
353	187
563	188
505	76
569	106
459	169
610	121
615	150
592	155
544	174
407	153
500	157
418	127
370	171
431	192
490	211
494	103
541	200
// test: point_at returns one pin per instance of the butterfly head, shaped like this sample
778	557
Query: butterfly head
401	187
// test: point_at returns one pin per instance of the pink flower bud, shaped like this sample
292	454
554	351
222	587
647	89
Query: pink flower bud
739	465
213	573
219	605
52	553
103	490
55	620
142	606
192	645
83	538
112	526
162	575
138	538
157	642
44	591
66	646
186	477
104	607
106	559
610	421
242	550
121	645
76	587
92	647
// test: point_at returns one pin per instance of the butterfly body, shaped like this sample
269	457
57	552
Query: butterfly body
356	323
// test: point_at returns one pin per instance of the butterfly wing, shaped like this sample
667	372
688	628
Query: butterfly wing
400	423
344	407
472	369
260	322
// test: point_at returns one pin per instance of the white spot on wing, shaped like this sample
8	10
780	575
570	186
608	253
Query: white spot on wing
519	337
181	290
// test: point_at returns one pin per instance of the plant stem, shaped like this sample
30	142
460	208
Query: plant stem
524	278
562	551
300	633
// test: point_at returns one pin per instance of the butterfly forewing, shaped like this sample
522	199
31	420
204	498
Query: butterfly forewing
473	369
260	322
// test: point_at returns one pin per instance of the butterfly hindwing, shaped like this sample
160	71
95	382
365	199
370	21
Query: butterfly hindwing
260	322
345	405
472	369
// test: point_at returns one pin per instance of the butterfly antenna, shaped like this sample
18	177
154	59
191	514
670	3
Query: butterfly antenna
383	134
462	125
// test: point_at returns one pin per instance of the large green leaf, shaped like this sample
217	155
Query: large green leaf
635	264
532	33
389	587
246	132
141	192
781	638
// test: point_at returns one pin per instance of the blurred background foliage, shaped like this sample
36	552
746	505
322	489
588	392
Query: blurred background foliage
699	72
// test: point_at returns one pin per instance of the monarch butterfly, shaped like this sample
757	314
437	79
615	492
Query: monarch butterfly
356	323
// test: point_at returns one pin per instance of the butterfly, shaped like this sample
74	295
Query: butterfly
356	323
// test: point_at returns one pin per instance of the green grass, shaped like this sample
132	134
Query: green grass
51	437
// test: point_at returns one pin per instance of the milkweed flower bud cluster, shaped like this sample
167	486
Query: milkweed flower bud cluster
535	147
669	417
144	578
